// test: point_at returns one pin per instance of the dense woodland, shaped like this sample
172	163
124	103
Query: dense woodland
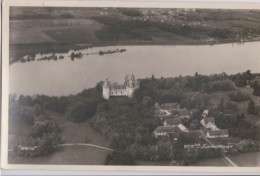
129	122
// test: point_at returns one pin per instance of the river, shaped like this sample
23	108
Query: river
65	76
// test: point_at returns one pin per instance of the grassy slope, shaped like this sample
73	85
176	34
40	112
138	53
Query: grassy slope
242	106
70	133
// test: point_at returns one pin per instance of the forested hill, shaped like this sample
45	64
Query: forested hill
129	122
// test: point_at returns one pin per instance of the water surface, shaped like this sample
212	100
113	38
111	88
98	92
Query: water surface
65	77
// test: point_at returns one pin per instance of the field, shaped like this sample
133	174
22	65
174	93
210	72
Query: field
71	133
34	29
53	31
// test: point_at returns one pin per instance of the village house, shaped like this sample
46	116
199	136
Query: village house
172	122
156	106
209	123
161	131
217	133
184	113
164	130
205	113
182	128
127	89
164	117
170	106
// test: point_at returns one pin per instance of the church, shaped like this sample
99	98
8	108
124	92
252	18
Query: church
127	89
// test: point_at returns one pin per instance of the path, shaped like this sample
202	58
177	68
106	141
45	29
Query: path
222	154
80	144
90	145
192	98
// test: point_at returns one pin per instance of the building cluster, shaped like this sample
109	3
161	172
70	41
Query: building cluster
170	111
171	115
211	128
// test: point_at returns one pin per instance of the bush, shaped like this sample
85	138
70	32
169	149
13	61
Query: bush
231	106
238	96
38	147
221	85
81	111
255	84
119	159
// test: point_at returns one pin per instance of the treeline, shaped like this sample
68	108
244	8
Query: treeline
77	107
44	136
32	15
117	29
130	12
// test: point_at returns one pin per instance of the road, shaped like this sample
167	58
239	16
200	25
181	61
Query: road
90	145
222	154
80	144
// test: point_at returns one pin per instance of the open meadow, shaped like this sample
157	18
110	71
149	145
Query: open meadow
71	133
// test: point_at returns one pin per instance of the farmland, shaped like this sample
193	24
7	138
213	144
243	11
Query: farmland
46	30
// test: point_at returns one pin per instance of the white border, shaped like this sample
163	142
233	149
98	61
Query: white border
91	3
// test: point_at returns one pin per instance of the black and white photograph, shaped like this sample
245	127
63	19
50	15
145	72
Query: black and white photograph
133	86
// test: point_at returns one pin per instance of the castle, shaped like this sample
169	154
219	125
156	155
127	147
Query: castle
127	89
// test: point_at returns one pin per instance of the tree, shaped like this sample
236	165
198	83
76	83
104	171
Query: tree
255	84
81	111
195	125
221	105
153	78
238	96
251	107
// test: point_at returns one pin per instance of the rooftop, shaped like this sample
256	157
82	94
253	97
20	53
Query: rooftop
209	119
184	112
118	86
218	132
170	105
163	129
182	127
175	121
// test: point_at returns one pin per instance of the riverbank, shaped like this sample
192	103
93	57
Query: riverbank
18	51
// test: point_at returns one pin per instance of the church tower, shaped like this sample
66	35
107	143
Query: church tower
106	89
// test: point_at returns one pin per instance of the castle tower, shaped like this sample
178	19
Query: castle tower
106	89
130	85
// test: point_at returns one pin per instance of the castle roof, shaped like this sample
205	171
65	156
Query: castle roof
118	86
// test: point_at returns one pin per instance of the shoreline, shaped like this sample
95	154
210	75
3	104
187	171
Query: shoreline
138	43
17	51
